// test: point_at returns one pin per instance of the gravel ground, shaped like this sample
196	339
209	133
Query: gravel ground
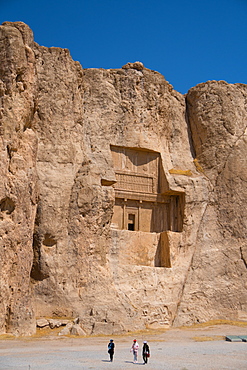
174	349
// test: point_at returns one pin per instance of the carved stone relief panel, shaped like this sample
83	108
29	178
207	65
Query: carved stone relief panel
139	203
136	169
137	183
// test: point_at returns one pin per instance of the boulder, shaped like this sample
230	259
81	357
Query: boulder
77	330
41	323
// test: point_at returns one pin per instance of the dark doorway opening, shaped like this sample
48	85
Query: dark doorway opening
131	222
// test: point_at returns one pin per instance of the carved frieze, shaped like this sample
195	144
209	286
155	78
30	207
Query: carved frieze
134	182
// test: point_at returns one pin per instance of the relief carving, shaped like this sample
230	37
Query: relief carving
140	204
137	183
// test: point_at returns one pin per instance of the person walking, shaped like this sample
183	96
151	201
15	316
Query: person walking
134	349
145	352
111	347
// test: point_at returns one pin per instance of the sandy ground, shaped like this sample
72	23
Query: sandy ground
174	349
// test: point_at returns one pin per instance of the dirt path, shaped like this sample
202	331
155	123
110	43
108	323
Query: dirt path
175	349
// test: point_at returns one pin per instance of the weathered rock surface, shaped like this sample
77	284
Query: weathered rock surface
216	283
18	185
122	202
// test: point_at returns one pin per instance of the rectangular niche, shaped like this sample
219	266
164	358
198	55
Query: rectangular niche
142	248
142	202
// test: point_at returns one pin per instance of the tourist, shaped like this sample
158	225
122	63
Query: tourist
134	349
145	352
111	347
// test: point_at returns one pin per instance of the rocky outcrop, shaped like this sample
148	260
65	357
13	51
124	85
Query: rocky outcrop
18	185
216	285
122	201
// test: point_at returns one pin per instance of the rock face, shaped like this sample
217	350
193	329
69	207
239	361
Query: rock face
122	202
18	185
216	285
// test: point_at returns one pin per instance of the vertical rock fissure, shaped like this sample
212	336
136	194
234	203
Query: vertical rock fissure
187	119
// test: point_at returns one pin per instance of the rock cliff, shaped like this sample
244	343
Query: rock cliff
122	202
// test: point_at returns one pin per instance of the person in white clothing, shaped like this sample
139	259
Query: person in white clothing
134	349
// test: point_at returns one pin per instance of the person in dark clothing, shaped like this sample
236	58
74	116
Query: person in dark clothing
145	352
111	347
